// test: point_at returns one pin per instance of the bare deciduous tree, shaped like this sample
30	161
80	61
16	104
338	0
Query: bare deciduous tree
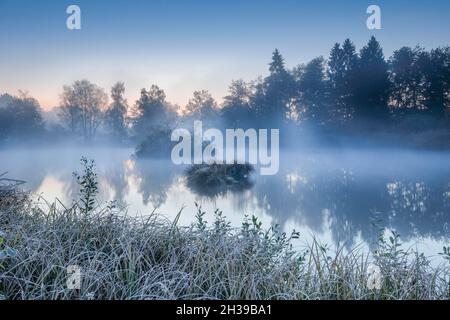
82	108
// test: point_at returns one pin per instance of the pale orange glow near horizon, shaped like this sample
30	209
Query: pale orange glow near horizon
48	101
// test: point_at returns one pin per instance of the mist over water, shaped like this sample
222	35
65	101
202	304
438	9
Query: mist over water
340	195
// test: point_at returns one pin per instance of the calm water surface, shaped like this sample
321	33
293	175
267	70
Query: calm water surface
335	195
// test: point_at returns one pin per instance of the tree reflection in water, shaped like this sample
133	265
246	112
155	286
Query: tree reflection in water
337	192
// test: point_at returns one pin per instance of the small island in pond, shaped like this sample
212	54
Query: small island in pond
215	179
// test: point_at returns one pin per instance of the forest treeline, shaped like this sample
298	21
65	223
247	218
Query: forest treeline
352	92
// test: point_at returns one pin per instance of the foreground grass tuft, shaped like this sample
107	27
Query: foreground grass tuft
123	257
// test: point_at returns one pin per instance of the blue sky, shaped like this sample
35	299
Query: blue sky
185	45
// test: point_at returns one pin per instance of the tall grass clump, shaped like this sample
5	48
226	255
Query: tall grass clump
127	257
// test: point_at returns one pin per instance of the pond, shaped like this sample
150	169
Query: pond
339	196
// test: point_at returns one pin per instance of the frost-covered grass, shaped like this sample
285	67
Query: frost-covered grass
123	257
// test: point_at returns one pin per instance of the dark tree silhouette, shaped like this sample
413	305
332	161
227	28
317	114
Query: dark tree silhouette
436	66
336	73
21	119
372	85
116	115
407	78
202	106
311	94
151	111
5	100
274	95
342	68
236	110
